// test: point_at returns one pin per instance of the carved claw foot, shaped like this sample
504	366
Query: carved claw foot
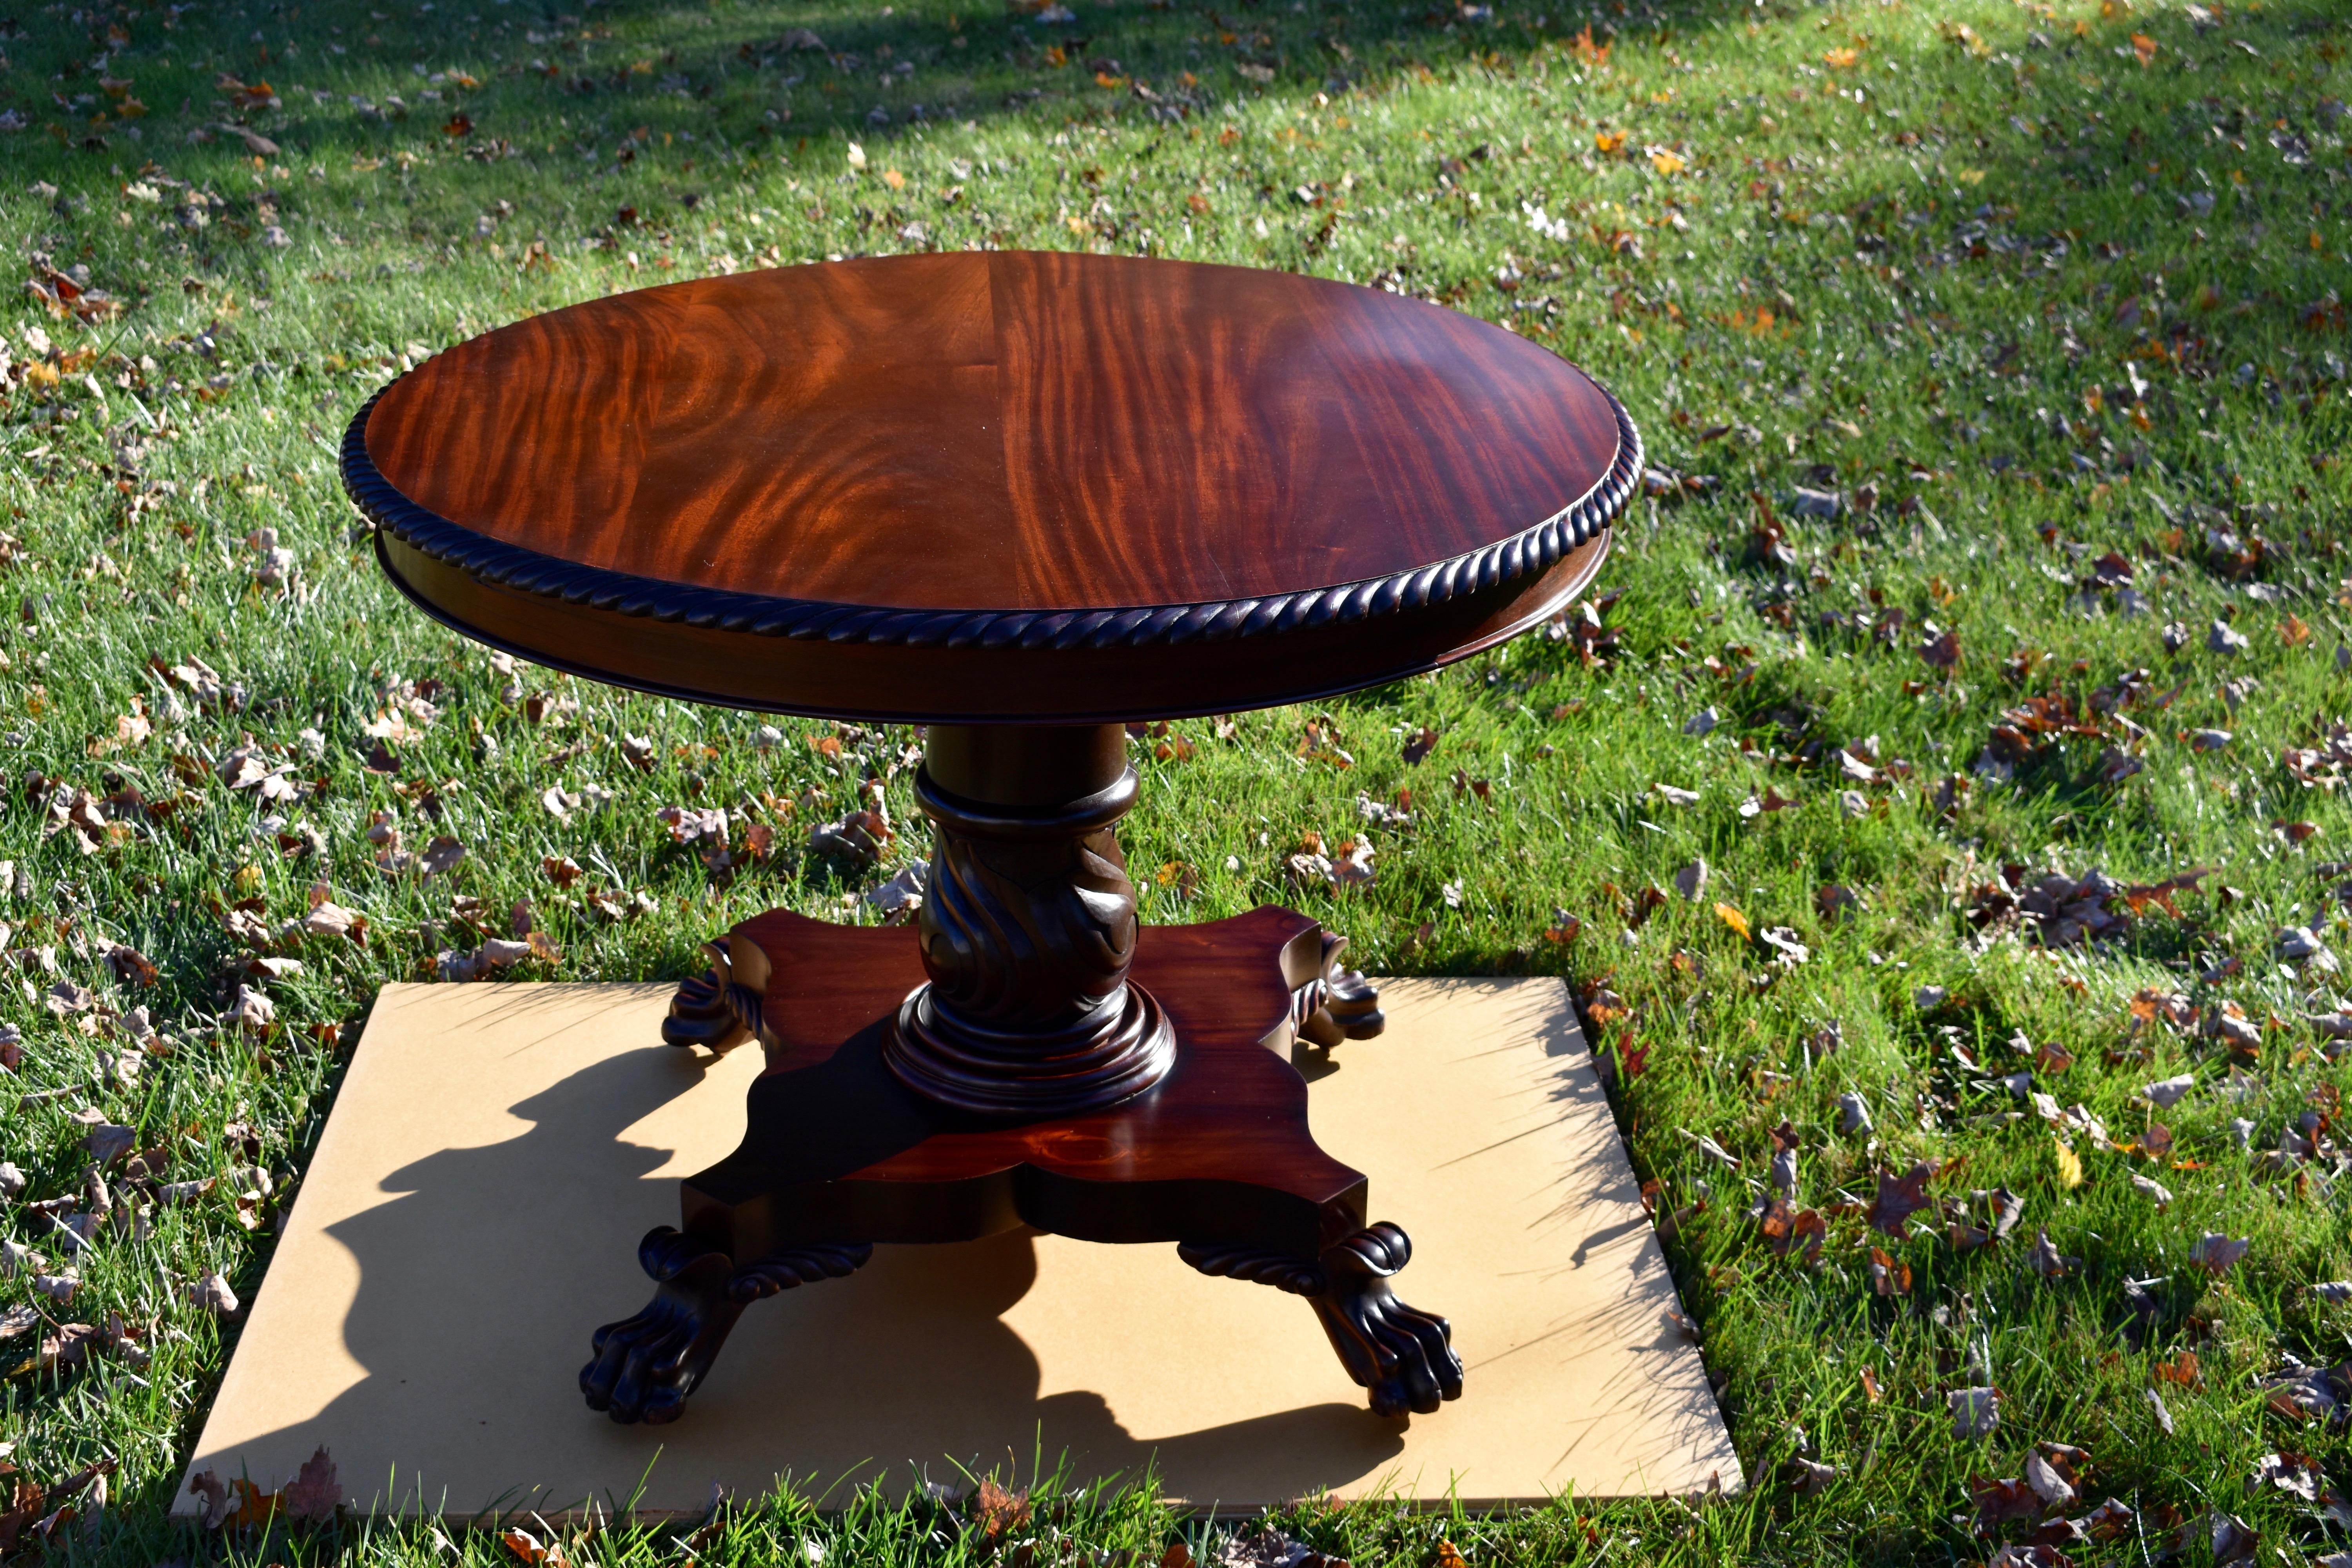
1337	1005
646	1366
1404	1356
720	1009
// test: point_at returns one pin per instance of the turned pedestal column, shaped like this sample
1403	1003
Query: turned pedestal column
1028	928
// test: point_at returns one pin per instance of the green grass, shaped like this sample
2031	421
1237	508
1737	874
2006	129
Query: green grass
1992	285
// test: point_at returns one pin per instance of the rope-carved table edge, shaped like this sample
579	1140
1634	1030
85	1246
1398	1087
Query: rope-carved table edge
1525	554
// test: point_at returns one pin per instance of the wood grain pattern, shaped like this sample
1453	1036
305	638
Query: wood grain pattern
828	479
1011	431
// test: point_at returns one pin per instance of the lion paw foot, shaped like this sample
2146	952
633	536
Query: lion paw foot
646	1366
1403	1355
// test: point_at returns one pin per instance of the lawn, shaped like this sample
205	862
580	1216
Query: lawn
1983	637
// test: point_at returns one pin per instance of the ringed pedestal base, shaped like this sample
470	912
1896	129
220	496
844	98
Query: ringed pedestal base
841	1153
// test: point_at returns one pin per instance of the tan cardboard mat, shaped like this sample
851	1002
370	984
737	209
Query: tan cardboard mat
473	1212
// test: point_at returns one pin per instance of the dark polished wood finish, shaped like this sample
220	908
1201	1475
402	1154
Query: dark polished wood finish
841	1155
1028	928
994	486
1021	498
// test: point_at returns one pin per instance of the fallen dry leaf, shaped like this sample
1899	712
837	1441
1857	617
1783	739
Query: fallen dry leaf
217	1495
996	1512
1888	1276
2000	1502
314	1494
1899	1197
2043	1257
214	1295
527	1549
1787	1230
2296	1474
1975	1411
2216	1253
1814	1478
2055	1471
2233	1540
2301	1393
108	1142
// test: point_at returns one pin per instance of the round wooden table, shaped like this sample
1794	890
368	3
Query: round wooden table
1021	498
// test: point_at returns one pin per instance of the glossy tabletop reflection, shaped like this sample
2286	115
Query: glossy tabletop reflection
1003	486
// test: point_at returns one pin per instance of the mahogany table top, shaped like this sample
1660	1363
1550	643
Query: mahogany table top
1007	486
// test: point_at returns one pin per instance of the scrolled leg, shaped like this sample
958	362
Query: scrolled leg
1404	1356
1255	1266
720	1009
796	1267
1337	1005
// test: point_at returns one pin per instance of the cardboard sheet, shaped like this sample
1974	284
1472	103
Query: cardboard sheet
473	1212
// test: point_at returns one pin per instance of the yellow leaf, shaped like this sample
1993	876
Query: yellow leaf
895	180
2070	1164
1666	162
1608	140
1733	919
1970	176
2145	47
1841	59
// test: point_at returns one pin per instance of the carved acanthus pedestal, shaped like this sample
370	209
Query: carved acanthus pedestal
1027	931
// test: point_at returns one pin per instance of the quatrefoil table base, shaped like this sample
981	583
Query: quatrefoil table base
1216	1161
1020	499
